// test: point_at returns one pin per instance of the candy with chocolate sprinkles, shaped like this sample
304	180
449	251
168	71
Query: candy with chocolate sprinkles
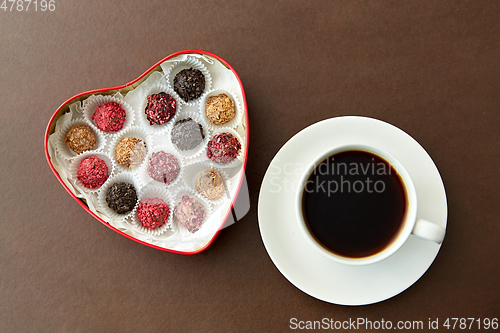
187	134
121	197
189	84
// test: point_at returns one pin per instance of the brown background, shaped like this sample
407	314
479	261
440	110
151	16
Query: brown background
429	67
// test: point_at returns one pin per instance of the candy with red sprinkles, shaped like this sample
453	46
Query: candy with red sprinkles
163	167
92	172
160	108
223	148
153	213
109	117
190	213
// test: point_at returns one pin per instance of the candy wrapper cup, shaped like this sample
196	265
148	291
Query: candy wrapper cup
239	158
73	169
153	192
132	132
144	177
177	197
126	177
191	173
178	66
66	152
143	120
91	104
198	150
237	105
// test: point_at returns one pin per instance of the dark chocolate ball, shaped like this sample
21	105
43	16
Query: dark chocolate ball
189	84
121	197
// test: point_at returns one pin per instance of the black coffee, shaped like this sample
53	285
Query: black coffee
354	204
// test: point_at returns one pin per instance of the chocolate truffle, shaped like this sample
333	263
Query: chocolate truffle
121	197
189	84
187	134
92	172
109	117
153	213
223	148
163	167
130	152
80	138
220	109
190	213
160	108
210	184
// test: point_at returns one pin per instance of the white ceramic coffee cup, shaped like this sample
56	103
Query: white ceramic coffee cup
411	224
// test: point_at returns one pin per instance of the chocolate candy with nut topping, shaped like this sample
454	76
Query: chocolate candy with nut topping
210	184
220	109
187	134
189	84
130	152
80	138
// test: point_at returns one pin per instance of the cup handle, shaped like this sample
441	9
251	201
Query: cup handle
428	230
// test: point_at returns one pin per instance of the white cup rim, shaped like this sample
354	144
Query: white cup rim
410	214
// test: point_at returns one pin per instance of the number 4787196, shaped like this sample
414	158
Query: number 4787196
25	5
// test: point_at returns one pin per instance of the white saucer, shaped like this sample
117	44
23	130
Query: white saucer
312	272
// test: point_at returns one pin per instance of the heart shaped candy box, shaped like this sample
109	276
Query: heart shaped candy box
174	235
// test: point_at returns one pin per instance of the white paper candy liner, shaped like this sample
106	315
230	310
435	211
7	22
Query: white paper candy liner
177	197
237	105
143	119
201	148
191	173
239	158
126	177
132	132
153	192
73	169
143	175
178	66
66	152
91	104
